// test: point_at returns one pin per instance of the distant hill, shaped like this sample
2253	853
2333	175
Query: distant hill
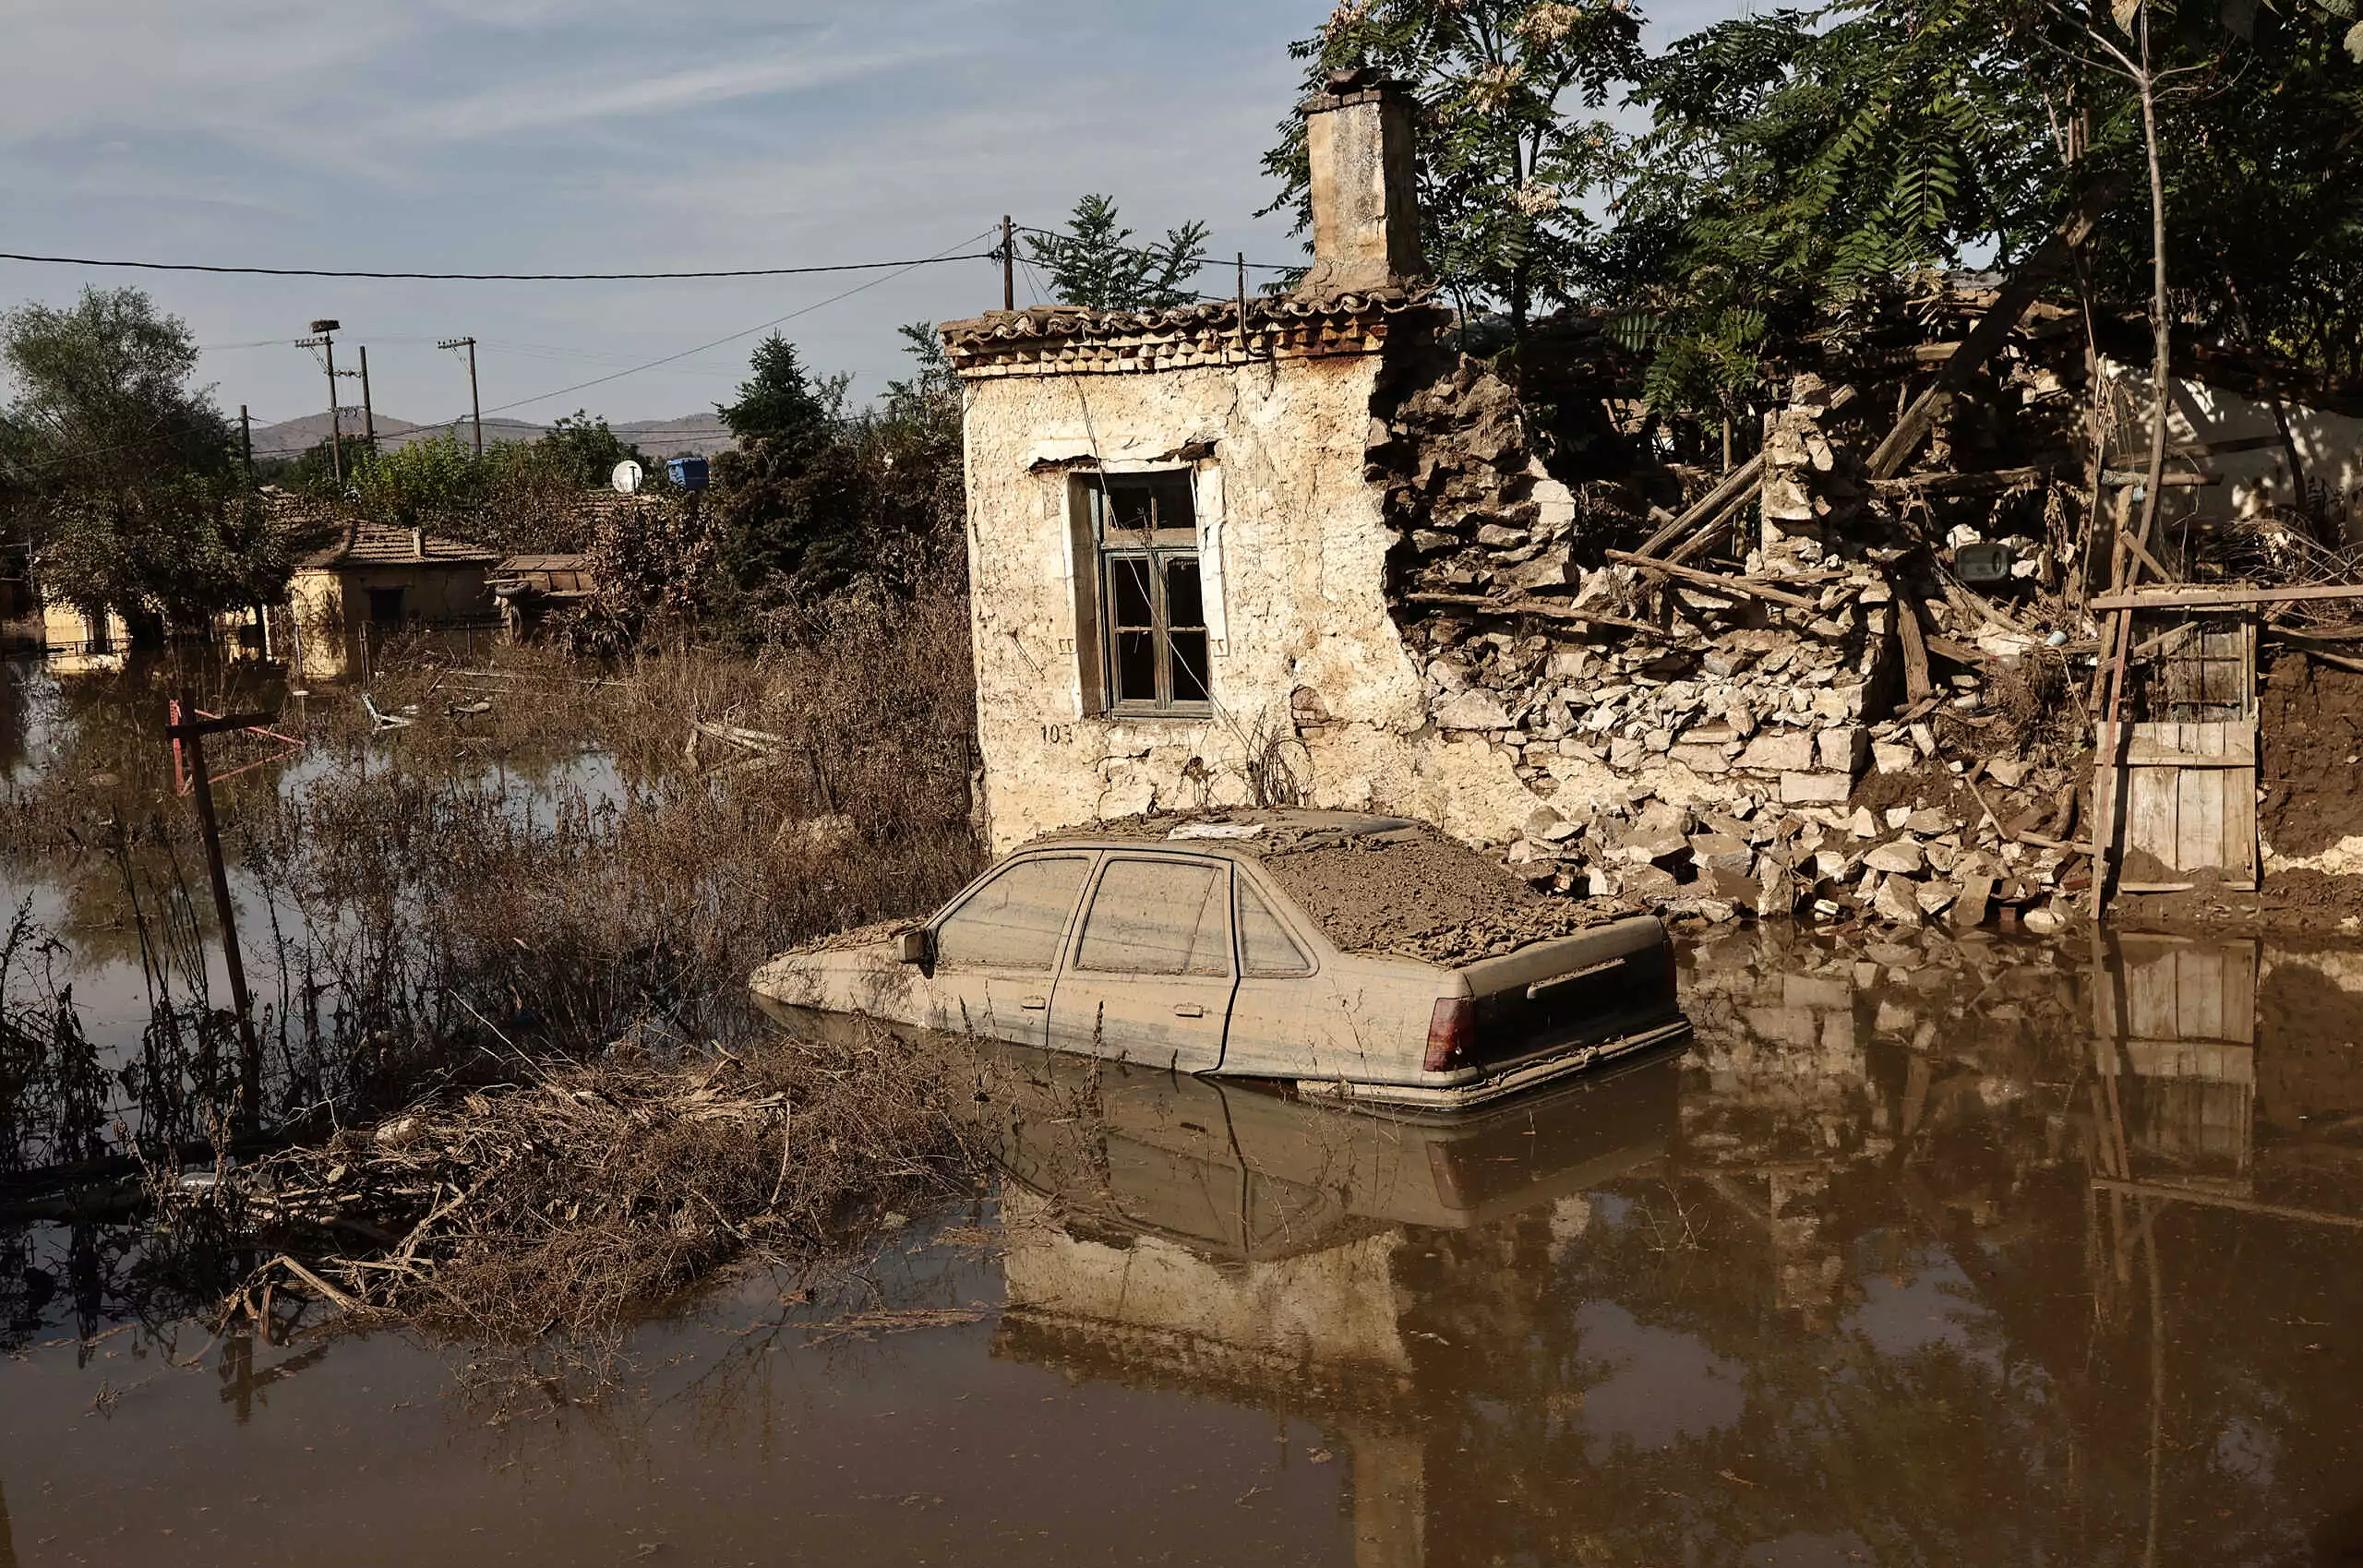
696	435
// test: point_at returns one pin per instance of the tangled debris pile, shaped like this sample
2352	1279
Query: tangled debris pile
593	1193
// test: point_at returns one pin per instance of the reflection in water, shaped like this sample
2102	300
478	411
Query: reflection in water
1946	1253
1963	1254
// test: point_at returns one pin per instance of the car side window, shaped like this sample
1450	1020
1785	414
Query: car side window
1265	948
1016	920
1158	917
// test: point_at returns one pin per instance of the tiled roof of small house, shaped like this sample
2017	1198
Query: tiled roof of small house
384	544
1065	339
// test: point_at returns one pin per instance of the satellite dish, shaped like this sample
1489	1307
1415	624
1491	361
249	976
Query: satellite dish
627	478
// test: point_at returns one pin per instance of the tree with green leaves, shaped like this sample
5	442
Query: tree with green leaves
778	400
120	471
1805	171
870	499
1094	264
1505	162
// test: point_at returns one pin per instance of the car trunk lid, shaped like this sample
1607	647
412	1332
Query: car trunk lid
1579	990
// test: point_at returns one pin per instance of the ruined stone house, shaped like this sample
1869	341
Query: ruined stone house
1222	556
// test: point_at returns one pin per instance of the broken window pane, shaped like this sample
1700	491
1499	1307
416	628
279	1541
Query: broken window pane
1128	590
1157	917
1189	666
1136	667
1016	920
1185	603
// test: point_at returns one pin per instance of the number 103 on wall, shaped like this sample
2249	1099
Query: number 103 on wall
1058	735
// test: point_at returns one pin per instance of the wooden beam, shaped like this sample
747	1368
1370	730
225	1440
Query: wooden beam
2201	597
1747	476
2225	1201
1527	606
2148	559
1715	582
1917	686
1993	329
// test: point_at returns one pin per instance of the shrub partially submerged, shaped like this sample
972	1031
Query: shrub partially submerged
591	1195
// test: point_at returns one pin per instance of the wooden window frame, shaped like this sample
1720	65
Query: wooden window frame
1156	547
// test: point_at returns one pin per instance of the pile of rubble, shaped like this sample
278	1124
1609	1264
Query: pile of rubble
1903	863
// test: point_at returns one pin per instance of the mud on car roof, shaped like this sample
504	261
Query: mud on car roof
1373	884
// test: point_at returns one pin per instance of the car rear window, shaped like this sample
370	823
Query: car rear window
1016	920
1157	917
1265	948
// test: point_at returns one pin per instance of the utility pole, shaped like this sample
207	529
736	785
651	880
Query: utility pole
246	441
323	338
369	414
188	730
1008	263
475	403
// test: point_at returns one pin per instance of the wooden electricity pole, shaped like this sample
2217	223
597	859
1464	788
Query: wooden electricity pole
1008	263
188	731
323	337
475	403
246	441
369	414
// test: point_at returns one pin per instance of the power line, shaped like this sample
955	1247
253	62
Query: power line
1160	255
750	332
501	277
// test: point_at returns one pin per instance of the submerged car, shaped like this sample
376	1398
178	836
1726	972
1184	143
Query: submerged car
1352	955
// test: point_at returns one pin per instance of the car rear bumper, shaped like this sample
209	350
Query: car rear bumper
1515	1079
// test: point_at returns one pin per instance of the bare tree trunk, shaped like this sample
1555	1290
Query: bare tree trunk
2161	347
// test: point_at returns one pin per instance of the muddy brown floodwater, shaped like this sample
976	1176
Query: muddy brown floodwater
1959	1253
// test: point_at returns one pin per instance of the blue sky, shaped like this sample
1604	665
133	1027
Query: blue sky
604	135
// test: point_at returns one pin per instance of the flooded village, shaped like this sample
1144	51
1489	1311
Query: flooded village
1659	859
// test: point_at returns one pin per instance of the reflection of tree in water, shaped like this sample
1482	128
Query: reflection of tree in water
16	717
1996	1406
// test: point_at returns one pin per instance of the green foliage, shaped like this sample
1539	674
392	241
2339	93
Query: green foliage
119	471
1805	171
1093	263
870	501
778	401
578	450
1505	169
422	484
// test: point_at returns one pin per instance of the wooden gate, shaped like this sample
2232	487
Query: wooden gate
2180	799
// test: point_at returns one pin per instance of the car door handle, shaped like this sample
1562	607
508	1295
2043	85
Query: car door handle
1035	1004
1189	1009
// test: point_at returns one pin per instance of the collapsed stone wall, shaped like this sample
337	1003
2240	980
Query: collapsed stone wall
1756	754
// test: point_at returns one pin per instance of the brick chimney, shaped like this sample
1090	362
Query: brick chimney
1366	206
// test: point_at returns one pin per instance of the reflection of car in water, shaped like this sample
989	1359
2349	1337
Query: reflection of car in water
1247	1172
1350	954
1234	1241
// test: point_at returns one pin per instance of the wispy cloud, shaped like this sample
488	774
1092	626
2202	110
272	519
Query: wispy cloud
559	102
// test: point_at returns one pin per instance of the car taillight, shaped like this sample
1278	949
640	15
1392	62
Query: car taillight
1452	1029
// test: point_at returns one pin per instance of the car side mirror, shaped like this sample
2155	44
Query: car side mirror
918	947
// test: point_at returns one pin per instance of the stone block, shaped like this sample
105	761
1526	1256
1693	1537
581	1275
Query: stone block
1780	751
1901	858
1701	758
1821	992
1893	757
1814	789
1475	709
1898	900
1976	901
1844	749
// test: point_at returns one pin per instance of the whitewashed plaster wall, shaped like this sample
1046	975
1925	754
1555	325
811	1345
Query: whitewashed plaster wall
2203	421
1293	545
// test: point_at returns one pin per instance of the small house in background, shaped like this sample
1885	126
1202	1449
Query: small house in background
379	579
689	473
529	587
83	639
